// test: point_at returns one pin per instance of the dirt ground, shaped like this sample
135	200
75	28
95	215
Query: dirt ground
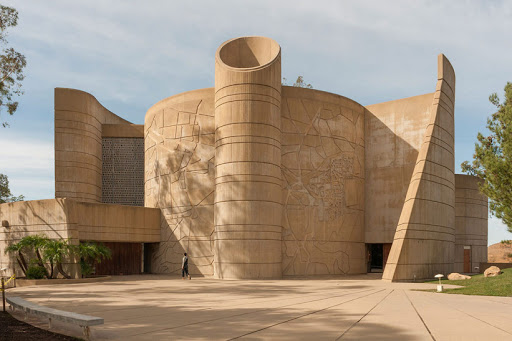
15	330
499	253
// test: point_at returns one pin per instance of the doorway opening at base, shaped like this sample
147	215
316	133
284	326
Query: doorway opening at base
377	256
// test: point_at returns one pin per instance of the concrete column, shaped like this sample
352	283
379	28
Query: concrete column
248	199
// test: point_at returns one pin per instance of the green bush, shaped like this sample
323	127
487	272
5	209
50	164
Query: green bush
91	253
86	268
35	272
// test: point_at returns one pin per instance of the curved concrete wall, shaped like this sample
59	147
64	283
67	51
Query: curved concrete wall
248	207
255	180
471	215
180	179
323	169
78	130
322	187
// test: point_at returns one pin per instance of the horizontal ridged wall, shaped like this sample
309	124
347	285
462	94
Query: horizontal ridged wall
78	144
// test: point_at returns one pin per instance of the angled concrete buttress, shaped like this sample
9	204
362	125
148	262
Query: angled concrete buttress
424	240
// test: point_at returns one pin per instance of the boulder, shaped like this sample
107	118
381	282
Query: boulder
455	276
492	271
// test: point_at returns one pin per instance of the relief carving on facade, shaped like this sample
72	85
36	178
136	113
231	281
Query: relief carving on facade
180	179
323	187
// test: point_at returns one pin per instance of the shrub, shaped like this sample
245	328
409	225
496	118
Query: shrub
54	252
91	253
86	268
35	271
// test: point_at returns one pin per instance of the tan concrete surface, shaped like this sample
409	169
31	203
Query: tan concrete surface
75	221
248	204
38	217
424	241
470	222
122	130
323	162
78	128
179	178
360	307
393	136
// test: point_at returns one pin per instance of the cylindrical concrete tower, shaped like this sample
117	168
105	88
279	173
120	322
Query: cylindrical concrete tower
248	199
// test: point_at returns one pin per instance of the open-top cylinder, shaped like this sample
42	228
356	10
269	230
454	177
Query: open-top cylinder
248	199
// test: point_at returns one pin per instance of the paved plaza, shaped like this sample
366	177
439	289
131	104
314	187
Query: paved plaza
339	308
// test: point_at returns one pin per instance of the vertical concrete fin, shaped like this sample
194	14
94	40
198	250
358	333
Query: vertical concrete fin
424	239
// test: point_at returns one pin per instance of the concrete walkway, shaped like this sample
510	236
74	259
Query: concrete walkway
351	308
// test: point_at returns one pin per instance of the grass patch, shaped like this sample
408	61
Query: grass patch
479	285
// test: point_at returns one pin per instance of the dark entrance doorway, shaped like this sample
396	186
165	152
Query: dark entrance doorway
148	250
377	256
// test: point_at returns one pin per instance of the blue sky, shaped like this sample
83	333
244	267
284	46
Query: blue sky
131	54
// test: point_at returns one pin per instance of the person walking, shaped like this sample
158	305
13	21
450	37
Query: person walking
184	267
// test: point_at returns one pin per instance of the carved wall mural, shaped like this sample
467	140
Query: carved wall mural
322	172
180	179
323	183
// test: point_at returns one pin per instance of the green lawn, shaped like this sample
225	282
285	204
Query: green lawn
479	285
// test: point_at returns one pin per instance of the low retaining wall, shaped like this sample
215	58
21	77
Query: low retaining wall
502	266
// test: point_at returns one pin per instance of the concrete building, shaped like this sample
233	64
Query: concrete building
258	180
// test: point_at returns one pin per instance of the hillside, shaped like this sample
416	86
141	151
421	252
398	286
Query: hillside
499	253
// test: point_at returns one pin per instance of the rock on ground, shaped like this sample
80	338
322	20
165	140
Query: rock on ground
455	276
492	271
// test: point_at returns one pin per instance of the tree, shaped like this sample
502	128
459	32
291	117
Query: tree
54	252
5	192
492	160
23	248
20	257
35	243
299	83
91	253
12	64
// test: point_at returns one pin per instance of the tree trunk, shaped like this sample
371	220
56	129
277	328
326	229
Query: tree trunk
23	262
61	270
41	264
51	269
21	266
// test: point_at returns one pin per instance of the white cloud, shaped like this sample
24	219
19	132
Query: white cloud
28	164
25	156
